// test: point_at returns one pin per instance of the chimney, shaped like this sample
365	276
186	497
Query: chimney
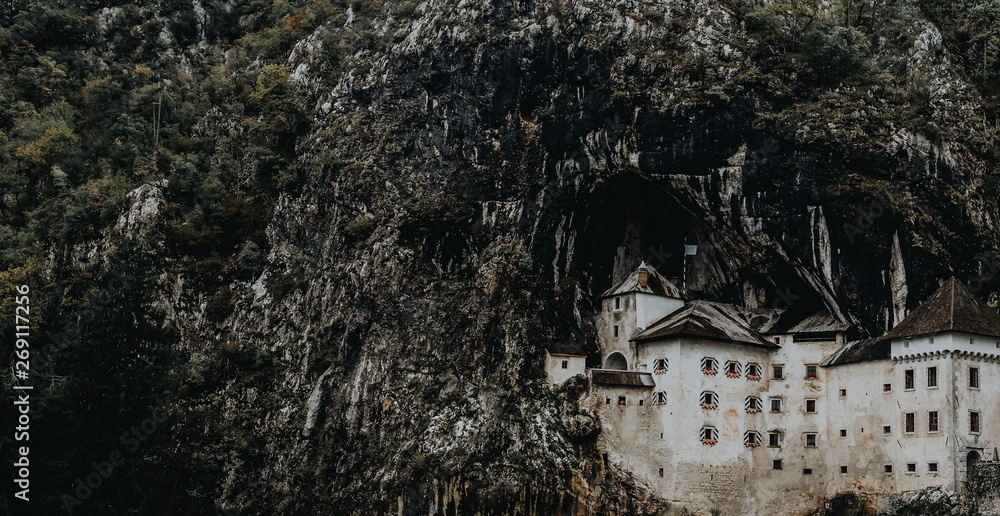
643	276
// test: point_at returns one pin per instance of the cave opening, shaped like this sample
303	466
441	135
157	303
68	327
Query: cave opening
630	220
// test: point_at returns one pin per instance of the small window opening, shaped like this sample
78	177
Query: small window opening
843	432
911	467
810	440
810	406
565	364
886	387
843	393
807	471
932	467
843	470
622	401
776	464
888	468
886	429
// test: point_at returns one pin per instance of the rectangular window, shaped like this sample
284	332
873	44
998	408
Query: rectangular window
909	423
810	440
779	371
888	469
843	432
931	377
810	371
775	404
753	405
887	429
932	467
751	439
660	366
810	406
908	379
660	398
974	422
843	470
753	372
565	364
773	439
732	369
640	402
776	464
807	471
709	400
886	387
618	303
911	467
708	366
932	422
709	435
661	472
622	401
974	377
607	401
616	330
843	393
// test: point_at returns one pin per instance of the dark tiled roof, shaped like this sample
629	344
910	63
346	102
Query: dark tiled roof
716	321
655	284
564	348
821	322
951	308
858	351
622	378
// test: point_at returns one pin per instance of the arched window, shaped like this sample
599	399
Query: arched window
616	361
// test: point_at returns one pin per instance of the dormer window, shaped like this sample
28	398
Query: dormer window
659	366
709	400
709	366
732	369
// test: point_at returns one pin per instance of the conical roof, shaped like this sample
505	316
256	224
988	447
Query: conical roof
951	308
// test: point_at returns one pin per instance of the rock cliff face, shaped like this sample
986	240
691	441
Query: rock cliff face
505	163
499	164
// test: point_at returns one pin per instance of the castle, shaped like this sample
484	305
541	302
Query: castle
714	406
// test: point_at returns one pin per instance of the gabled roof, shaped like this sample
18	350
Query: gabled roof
655	284
622	378
820	322
564	348
951	308
858	351
715	321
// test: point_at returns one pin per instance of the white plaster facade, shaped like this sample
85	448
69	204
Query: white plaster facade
843	424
